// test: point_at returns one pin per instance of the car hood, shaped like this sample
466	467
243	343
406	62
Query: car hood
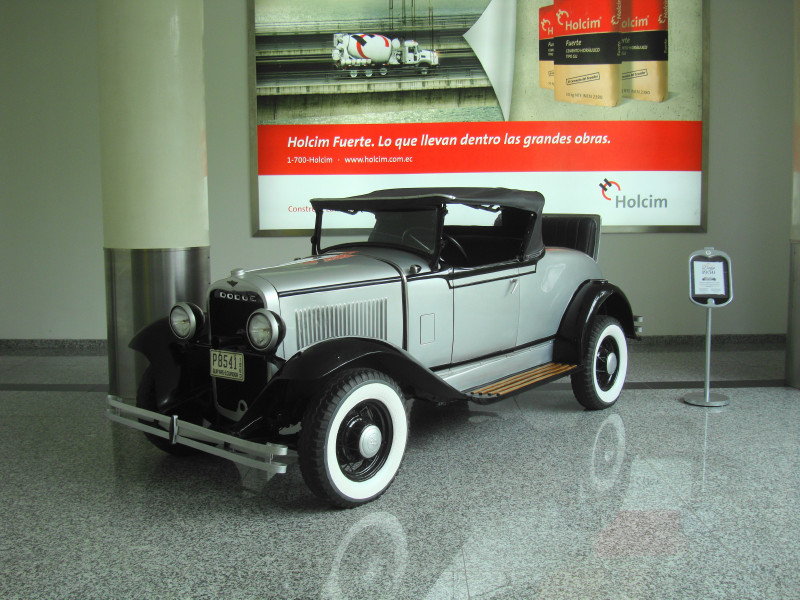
334	269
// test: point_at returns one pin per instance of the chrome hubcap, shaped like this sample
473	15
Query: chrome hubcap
370	441
611	364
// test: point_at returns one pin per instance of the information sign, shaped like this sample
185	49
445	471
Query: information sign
710	278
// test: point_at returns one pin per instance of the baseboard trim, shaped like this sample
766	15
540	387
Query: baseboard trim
716	340
58	347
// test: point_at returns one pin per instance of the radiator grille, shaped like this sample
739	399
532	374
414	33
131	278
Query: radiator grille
228	313
366	318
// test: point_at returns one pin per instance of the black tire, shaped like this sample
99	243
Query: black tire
146	398
353	438
604	364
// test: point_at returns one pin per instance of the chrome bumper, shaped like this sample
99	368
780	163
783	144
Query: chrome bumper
251	454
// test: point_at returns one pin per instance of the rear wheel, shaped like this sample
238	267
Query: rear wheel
353	438
599	382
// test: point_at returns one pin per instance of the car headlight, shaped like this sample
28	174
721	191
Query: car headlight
263	330
184	319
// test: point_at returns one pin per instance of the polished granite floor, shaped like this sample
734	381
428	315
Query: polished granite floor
528	498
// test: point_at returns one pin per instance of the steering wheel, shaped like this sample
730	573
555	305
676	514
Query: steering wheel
457	245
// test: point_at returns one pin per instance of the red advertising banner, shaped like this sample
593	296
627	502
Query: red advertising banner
480	147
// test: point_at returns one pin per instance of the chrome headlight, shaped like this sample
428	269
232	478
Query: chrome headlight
184	320
263	329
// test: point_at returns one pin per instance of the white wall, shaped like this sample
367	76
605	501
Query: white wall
51	261
51	232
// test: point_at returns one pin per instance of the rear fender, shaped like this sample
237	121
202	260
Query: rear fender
596	297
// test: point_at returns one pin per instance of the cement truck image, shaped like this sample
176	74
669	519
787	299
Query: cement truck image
371	52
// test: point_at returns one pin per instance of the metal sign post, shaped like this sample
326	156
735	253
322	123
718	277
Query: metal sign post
711	286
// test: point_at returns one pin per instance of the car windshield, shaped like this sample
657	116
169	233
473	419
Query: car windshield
414	230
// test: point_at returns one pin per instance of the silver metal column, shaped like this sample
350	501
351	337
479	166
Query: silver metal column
141	286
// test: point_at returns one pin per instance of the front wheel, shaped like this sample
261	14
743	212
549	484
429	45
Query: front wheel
599	382
353	438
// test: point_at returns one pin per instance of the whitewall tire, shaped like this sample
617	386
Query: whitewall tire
599	382
353	438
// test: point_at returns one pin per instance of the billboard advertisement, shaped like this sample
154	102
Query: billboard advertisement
597	104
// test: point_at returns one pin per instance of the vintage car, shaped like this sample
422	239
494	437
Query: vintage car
439	294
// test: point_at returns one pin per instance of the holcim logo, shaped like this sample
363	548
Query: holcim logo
607	184
583	24
636	22
638	201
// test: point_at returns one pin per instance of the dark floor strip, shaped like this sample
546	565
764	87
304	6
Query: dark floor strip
680	385
688	385
53	387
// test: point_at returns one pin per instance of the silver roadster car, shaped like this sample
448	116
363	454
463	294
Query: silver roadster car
439	294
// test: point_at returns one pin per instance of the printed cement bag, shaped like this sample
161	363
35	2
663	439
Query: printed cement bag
587	56
546	46
644	46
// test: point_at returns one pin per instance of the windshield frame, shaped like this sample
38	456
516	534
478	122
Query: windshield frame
431	255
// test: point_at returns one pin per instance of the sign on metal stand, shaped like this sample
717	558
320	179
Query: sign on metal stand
711	286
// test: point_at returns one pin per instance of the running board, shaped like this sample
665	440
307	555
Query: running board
521	381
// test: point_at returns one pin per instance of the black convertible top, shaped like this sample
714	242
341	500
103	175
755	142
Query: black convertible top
516	208
422	198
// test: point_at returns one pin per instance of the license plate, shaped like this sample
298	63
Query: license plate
228	365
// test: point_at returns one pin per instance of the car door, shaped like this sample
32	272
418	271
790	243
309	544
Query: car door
486	304
430	319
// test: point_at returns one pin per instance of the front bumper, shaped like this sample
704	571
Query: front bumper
251	454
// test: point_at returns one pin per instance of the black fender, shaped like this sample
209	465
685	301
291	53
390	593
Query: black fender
180	369
303	377
594	297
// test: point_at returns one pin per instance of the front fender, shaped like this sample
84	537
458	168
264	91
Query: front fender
594	297
303	377
180	370
323	360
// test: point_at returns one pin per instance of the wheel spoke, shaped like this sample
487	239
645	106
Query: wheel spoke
606	363
353	464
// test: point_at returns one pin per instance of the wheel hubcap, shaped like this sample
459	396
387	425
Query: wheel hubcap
370	441
364	440
611	364
606	363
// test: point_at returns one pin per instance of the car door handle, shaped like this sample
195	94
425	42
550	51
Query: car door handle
514	286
